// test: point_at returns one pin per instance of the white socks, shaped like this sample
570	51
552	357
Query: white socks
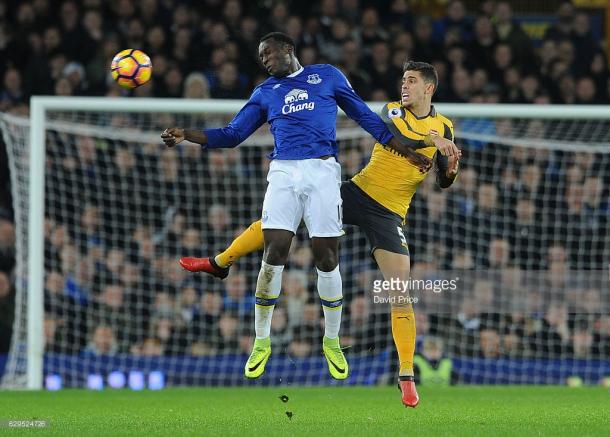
331	295
268	288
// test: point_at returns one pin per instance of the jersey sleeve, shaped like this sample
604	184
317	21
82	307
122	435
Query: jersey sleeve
394	117
245	123
357	110
449	133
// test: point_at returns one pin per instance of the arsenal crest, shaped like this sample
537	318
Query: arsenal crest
314	79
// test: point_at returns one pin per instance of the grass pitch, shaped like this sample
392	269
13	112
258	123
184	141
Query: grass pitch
336	411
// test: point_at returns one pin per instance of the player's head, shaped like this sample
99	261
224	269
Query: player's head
419	83
276	52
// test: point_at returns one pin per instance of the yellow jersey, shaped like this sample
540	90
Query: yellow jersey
389	178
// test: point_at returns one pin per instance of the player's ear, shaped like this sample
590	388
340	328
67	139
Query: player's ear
430	88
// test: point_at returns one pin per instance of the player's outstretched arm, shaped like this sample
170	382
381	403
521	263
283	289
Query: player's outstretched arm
406	139
248	119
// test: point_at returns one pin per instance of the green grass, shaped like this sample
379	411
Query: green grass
336	411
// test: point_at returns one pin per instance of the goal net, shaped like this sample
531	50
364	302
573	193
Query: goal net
510	265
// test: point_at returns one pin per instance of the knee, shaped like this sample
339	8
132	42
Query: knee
276	254
327	260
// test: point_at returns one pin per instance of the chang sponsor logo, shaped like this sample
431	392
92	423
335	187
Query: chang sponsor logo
297	100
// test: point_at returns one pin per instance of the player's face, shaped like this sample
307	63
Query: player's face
414	88
274	57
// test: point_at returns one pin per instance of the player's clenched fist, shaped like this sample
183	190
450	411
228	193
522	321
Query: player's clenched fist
172	136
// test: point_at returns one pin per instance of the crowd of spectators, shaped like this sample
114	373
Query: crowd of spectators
208	49
112	283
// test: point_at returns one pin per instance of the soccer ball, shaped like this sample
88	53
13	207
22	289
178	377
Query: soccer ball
131	68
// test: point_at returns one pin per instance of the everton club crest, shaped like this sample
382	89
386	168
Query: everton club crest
314	79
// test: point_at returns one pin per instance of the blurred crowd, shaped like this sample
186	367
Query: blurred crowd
112	283
208	49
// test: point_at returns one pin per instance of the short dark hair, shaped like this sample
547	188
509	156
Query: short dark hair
279	37
427	71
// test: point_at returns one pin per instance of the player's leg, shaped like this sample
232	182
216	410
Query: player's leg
397	265
268	287
330	289
282	212
269	282
247	242
323	219
329	284
383	229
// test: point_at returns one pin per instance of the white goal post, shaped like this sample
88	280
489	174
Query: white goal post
41	106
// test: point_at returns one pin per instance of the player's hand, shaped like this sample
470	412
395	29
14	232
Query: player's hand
452	169
172	136
422	162
445	146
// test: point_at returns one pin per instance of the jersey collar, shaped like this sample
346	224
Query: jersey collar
432	113
296	73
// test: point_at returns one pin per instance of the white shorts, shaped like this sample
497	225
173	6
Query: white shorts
306	189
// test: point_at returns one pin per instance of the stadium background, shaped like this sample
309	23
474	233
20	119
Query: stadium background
208	50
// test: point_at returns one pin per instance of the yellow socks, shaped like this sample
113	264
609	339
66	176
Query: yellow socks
248	241
403	331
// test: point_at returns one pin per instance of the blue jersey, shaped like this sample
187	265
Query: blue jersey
302	112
